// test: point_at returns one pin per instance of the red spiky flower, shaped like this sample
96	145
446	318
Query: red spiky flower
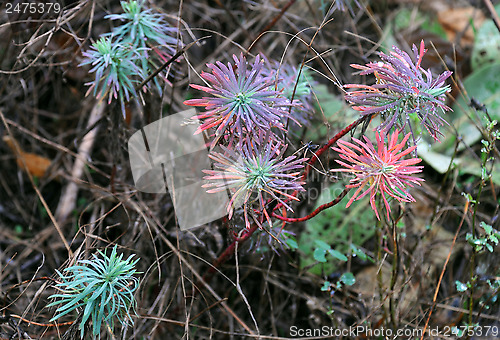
383	168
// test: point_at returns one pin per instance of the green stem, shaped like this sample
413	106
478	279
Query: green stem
380	278
473	256
391	298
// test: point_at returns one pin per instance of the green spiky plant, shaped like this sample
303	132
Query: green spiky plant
102	287
123	58
116	72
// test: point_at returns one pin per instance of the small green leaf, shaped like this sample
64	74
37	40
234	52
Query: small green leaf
338	255
348	279
360	253
400	224
468	197
319	255
326	286
487	228
292	243
322	245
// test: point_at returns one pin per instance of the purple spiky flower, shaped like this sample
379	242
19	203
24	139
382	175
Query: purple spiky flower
382	169
404	92
254	172
243	101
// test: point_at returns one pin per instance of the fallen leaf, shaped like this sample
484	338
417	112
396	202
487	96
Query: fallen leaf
36	165
457	22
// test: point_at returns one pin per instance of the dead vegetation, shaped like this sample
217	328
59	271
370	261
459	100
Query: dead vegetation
66	186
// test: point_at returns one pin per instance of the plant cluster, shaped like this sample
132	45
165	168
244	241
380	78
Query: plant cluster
488	241
404	93
370	258
102	287
124	57
250	102
246	116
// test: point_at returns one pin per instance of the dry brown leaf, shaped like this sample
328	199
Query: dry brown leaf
36	165
459	21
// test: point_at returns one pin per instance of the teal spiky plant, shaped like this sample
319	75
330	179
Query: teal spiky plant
146	31
143	25
123	58
115	69
102	287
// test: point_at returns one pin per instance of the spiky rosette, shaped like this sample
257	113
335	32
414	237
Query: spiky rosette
382	169
254	173
243	101
115	70
404	92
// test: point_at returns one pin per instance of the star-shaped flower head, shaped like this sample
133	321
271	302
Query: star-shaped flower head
243	101
146	30
143	25
115	70
404	92
382	169
253	173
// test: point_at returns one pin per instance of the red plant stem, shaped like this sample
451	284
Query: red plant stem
321	150
332	141
315	212
229	251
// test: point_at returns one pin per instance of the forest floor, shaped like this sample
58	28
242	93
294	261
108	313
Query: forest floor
67	185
